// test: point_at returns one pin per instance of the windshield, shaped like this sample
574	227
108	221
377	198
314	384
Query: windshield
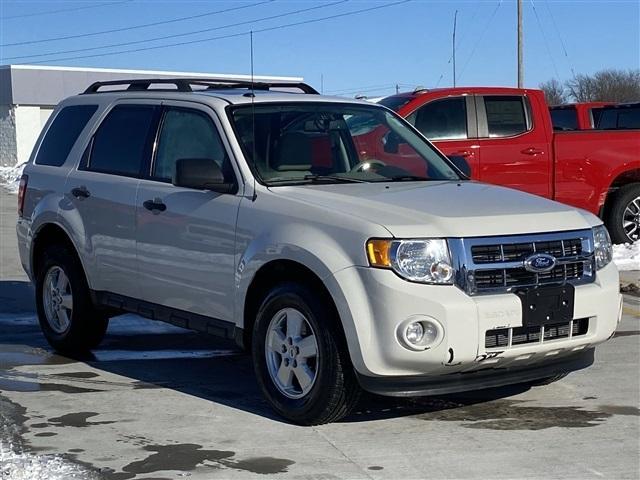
311	142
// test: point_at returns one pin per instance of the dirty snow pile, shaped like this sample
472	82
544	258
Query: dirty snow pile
28	466
627	256
10	177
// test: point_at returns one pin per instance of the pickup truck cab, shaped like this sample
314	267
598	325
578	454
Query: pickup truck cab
265	217
576	116
507	137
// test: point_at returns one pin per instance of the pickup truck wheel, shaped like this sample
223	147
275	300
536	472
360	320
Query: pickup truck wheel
624	217
301	367
68	319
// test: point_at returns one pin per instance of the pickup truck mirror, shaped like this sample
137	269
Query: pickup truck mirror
461	164
201	174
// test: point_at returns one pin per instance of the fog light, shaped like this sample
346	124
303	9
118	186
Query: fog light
420	332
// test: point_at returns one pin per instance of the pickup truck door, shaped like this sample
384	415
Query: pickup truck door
514	151
450	124
186	237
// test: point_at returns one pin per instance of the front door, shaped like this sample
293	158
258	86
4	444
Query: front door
186	237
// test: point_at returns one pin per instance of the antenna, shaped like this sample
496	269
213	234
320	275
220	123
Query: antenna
455	19
253	117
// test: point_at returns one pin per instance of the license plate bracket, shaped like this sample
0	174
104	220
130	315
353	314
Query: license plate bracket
547	305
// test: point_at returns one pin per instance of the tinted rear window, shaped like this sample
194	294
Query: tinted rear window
564	119
120	144
505	115
63	133
618	118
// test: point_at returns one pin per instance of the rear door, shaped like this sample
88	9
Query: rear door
514	152
103	192
450	123
186	237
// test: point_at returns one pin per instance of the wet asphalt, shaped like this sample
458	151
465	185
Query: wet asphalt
158	402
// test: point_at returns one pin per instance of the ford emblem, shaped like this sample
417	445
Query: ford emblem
540	263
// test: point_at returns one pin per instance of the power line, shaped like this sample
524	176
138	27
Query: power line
564	48
135	27
61	10
544	38
177	35
268	29
479	41
366	87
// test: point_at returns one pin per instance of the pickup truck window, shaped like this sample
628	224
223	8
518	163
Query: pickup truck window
618	118
442	119
506	115
334	143
63	133
119	145
187	134
564	119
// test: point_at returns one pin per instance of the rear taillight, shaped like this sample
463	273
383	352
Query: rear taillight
22	190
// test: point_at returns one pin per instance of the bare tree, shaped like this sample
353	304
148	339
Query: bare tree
554	92
606	86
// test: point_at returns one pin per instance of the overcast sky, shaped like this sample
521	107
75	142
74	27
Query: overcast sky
406	43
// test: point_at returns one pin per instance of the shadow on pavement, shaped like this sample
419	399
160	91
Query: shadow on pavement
156	356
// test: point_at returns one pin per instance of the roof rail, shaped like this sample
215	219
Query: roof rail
186	84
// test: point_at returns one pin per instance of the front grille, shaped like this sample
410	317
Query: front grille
509	337
497	264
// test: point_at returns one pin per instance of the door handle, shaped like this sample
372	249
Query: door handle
532	151
80	192
156	205
462	153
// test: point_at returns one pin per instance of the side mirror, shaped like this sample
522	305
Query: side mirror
461	164
201	174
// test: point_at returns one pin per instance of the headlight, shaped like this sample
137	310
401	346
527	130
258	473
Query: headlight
602	248
424	261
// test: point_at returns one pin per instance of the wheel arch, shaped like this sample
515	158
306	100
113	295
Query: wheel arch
625	178
51	234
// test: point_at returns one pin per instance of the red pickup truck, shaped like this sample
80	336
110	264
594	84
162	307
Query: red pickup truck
576	116
507	138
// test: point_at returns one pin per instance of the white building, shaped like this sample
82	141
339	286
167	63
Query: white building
28	94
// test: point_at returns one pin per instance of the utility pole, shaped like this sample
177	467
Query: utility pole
455	18
520	59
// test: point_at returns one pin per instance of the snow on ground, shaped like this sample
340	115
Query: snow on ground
10	177
29	466
627	256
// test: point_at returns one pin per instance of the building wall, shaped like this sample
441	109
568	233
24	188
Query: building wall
8	151
20	127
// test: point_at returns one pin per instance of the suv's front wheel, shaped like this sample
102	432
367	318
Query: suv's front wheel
67	316
302	366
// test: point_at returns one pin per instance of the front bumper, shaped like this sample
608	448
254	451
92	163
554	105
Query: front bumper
372	302
420	385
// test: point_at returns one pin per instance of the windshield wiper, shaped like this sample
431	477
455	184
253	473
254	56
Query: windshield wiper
406	178
319	178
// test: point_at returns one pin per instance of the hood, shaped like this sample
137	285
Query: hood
443	209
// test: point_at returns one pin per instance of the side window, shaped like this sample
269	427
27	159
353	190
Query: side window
564	119
120	144
506	115
188	134
442	119
63	133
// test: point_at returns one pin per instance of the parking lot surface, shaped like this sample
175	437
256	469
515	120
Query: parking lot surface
160	402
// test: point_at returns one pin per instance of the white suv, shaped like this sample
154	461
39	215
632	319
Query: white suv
327	236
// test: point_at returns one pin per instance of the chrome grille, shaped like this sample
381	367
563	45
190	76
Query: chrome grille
487	265
509	337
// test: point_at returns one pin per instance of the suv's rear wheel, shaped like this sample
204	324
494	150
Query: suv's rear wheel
67	316
302	366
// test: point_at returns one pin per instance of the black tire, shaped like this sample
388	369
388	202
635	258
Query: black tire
622	198
335	391
547	380
87	325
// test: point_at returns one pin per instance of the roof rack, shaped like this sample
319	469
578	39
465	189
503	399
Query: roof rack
186	84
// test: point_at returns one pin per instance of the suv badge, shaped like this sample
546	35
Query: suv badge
540	263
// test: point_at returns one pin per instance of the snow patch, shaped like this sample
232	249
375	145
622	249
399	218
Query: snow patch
10	177
627	256
28	466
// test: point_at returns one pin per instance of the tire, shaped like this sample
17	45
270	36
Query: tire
334	390
548	380
625	210
85	326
